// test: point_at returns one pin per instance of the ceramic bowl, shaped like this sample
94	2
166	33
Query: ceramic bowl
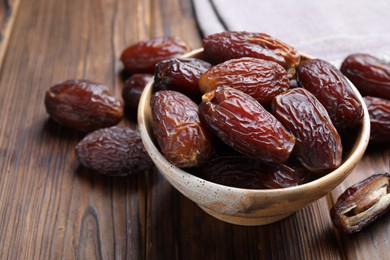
247	206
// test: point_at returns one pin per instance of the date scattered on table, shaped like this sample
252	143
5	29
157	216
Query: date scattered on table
362	204
370	75
379	112
133	88
143	56
83	105
113	151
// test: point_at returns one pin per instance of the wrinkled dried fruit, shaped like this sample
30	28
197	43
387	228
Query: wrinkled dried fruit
258	78
113	151
183	139
224	46
251	173
370	75
180	74
317	143
143	56
334	92
241	122
362	204
83	105
379	112
133	88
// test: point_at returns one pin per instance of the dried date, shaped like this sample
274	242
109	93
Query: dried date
244	124
362	204
143	56
224	46
180	74
370	75
183	139
334	92
317	143
133	88
379	112
83	105
258	78
113	151
251	173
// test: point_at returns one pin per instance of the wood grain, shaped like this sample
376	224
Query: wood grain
51	208
8	11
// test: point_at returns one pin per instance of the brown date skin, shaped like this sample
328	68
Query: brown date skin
224	46
361	204
370	75
180	74
83	105
251	173
379	112
183	139
334	92
143	56
133	88
113	151
244	124
258	78
317	143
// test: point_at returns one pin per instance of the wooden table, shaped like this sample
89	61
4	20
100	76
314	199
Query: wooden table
51	208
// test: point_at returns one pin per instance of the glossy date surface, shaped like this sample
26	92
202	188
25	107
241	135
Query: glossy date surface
334	92
242	123
369	74
180	74
182	137
224	46
133	88
113	151
362	204
143	56
258	78
379	112
83	105
318	144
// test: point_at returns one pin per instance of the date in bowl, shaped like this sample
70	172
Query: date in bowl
248	207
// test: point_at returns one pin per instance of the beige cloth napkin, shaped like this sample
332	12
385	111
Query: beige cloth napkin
329	29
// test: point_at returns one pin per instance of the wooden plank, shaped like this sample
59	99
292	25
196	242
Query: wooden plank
52	208
8	11
49	207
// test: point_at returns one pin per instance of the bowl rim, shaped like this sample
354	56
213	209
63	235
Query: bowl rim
328	180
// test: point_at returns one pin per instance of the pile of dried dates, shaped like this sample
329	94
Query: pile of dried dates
253	113
253	100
